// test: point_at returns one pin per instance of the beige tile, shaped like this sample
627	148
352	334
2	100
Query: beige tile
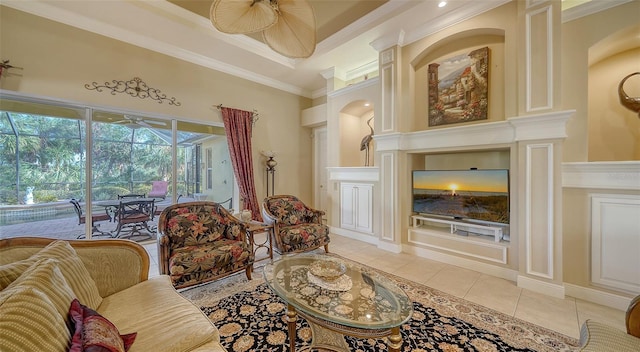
453	280
600	313
495	293
549	312
420	270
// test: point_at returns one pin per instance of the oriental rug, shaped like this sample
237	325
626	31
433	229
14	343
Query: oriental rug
250	317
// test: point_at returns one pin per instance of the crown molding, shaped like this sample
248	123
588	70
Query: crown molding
589	8
406	36
134	36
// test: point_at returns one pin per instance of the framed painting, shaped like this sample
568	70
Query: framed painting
458	88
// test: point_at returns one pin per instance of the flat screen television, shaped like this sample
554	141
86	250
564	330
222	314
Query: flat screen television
473	194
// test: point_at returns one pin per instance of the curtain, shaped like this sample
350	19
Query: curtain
238	125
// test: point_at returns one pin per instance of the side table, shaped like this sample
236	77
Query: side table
256	227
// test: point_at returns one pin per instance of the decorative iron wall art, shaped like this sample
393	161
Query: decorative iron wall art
135	88
458	88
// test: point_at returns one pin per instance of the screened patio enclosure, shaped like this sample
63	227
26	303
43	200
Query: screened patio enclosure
51	153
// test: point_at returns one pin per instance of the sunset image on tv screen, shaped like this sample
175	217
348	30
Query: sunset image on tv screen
467	194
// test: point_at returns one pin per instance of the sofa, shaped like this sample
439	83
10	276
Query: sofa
108	279
201	241
599	337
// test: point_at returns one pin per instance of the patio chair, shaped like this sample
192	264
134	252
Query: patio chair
82	218
201	242
296	227
134	214
159	189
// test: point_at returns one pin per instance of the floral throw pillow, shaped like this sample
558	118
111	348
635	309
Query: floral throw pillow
94	333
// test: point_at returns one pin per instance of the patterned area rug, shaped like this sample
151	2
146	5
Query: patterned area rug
250	318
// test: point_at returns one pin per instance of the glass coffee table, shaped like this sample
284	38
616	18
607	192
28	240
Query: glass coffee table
338	298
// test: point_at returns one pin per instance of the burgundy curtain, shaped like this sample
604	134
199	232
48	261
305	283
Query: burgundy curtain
238	124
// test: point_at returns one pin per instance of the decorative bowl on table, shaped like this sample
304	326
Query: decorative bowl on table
327	269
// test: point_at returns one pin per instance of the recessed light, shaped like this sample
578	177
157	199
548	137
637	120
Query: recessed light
366	104
442	4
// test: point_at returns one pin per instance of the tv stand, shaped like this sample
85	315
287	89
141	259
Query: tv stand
456	225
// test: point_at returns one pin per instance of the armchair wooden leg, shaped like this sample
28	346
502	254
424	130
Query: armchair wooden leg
248	270
326	248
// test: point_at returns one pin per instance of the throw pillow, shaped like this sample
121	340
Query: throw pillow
94	333
70	265
30	308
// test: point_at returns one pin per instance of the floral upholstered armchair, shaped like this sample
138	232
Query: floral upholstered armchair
297	227
200	242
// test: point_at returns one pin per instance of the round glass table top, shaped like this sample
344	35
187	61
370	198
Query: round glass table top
358	298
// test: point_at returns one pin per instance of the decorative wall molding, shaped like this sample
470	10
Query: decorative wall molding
539	210
535	86
388	190
362	173
388	90
531	127
615	220
602	174
134	87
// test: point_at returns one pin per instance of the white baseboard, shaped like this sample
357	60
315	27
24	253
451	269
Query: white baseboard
354	235
497	271
389	246
599	297
544	287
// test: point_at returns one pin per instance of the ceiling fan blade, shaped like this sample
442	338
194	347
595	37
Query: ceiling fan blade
295	33
142	123
242	16
122	121
159	123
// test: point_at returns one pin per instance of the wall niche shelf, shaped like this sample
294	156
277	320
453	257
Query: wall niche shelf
456	226
439	234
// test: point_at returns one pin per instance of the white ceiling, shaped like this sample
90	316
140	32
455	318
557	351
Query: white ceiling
179	31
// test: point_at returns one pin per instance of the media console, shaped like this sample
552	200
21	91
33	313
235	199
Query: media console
461	225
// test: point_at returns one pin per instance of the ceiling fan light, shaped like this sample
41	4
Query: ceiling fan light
242	16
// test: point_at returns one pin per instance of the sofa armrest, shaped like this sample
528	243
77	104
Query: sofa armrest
598	337
114	264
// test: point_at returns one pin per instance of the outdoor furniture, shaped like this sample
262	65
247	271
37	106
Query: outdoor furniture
82	218
297	227
159	189
131	195
134	214
201	242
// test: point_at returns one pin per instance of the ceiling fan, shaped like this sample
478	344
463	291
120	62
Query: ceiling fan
288	26
137	122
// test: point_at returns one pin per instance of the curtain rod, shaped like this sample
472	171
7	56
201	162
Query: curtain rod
254	113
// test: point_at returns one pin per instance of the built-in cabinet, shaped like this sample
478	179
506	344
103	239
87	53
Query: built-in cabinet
356	206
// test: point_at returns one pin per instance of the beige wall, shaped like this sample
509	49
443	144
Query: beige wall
578	37
614	131
59	60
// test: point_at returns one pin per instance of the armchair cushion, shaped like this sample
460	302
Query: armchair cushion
300	237
195	264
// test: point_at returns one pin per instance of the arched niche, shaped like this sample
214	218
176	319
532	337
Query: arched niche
457	44
354	130
613	130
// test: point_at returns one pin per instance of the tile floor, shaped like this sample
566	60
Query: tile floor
562	315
